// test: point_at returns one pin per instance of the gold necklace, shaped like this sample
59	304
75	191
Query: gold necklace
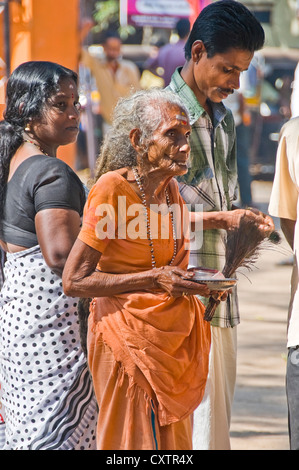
143	199
37	146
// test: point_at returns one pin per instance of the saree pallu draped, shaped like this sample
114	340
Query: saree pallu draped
46	387
148	351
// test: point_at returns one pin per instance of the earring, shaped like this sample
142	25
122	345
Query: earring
27	128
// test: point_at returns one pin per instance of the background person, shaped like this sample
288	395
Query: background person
148	345
236	103
220	46
115	77
46	388
170	56
284	204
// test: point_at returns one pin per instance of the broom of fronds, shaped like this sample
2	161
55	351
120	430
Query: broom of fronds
242	249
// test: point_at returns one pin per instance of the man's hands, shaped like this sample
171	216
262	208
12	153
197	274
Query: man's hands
263	221
229	220
177	282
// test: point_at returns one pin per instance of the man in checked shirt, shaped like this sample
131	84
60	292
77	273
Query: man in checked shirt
220	46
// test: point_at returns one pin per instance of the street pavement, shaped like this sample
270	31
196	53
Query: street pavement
259	414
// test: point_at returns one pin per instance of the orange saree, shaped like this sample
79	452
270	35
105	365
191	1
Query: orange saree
148	355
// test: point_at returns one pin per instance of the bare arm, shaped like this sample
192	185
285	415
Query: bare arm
288	229
80	278
230	219
56	230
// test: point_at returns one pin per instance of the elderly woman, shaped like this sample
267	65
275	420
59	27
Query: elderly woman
148	345
44	379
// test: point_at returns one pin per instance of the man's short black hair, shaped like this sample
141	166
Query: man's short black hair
224	25
111	34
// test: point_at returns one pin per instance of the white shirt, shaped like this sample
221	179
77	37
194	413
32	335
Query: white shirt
284	204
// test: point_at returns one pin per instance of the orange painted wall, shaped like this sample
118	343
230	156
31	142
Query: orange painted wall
44	30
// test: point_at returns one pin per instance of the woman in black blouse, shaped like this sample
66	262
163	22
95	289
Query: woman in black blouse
45	385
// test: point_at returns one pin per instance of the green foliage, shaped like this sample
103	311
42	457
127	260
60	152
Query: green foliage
106	12
106	15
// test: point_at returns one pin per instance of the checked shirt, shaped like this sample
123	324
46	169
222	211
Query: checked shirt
211	181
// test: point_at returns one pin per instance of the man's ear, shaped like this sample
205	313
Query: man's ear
135	139
197	50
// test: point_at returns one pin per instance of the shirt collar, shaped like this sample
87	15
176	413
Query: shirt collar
195	109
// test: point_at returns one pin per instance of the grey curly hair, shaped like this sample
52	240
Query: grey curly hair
144	111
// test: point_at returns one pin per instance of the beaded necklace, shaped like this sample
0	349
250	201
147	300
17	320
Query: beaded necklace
148	228
37	146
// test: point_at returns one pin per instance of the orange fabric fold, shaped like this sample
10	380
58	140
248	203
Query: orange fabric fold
162	342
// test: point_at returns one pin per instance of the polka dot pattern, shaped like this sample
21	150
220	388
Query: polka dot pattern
42	366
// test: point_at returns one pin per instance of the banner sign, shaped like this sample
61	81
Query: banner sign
158	13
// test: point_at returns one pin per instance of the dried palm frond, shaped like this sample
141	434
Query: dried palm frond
242	248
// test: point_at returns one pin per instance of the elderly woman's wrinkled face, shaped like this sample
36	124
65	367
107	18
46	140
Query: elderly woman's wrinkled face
169	149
